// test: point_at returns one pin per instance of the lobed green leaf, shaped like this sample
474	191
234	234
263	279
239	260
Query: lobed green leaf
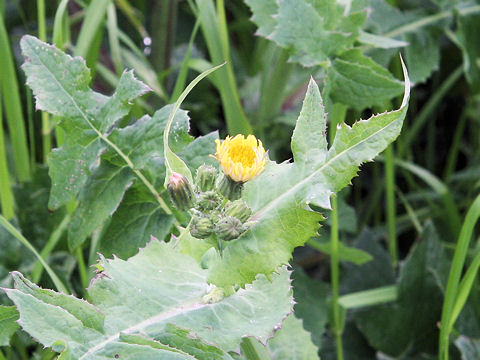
157	304
280	196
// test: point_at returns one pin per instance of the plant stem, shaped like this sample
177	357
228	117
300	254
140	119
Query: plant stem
253	350
428	20
12	230
337	115
334	268
390	202
82	269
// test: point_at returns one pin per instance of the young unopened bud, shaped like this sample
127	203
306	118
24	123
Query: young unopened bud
230	189
209	200
229	228
206	177
238	209
201	227
180	191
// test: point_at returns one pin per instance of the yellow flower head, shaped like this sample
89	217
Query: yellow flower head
240	158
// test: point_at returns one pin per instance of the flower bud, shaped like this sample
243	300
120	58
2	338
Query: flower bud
180	191
201	227
206	177
238	209
229	188
229	228
208	201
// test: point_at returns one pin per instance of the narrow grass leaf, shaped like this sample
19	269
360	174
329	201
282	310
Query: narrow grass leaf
173	162
13	108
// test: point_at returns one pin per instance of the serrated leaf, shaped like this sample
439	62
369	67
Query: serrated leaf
8	323
60	84
315	30
141	296
99	198
357	81
263	15
309	140
279	197
292	342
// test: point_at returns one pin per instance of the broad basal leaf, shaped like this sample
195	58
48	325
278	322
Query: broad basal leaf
411	323
311	307
280	196
312	30
156	305
61	87
8	324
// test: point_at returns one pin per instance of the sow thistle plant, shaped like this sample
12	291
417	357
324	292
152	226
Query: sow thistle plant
217	275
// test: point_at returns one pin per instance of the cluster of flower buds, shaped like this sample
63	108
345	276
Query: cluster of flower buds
213	212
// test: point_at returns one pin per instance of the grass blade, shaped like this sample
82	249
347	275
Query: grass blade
49	246
172	161
94	17
13	108
12	230
6	200
451	294
113	38
450	207
214	30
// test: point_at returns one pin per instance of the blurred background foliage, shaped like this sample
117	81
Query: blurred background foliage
400	224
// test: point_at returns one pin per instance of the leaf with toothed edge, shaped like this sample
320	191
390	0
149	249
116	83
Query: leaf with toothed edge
140	297
312	31
279	197
60	84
